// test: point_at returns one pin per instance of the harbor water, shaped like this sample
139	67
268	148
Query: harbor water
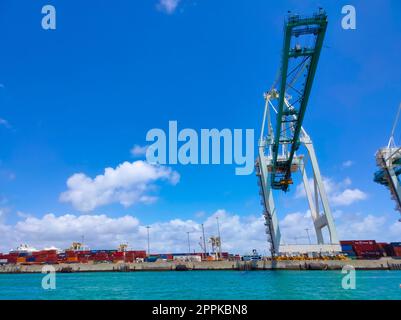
259	285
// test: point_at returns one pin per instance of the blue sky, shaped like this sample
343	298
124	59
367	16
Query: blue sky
78	98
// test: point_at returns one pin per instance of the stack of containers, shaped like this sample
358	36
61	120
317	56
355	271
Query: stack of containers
131	255
140	254
21	260
385	249
396	249
83	256
117	256
3	259
367	249
101	256
62	257
12	257
45	256
30	259
72	256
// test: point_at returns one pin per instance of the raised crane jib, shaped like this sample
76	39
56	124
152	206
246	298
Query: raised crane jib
303	41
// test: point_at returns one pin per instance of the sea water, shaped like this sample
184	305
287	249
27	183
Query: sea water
259	285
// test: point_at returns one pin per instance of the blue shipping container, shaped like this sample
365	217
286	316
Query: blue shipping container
151	259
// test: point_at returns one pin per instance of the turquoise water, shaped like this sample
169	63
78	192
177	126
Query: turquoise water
204	285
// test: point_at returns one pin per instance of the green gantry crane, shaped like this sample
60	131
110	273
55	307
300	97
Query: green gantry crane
277	161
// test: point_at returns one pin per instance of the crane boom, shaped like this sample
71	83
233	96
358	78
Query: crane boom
289	118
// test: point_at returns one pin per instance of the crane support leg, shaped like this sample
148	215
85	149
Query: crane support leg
313	208
326	219
269	213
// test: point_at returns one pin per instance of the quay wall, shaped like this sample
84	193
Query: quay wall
381	264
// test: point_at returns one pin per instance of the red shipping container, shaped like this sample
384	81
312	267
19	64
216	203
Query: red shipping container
129	259
347	242
119	254
71	253
365	246
140	254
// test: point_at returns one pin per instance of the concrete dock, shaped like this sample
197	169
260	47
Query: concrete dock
381	264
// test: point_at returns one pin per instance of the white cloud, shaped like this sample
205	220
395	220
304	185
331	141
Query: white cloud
358	226
168	6
127	184
339	193
348	163
349	226
138	151
348	197
293	228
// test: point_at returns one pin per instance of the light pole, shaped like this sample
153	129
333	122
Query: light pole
189	244
204	241
218	234
147	227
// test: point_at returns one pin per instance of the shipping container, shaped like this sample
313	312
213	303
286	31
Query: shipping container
396	251
11	259
151	259
385	249
360	247
21	259
346	247
347	242
118	254
72	259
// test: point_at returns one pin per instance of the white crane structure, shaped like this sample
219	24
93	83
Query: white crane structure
388	159
278	146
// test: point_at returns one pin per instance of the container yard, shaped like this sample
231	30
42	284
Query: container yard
363	254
